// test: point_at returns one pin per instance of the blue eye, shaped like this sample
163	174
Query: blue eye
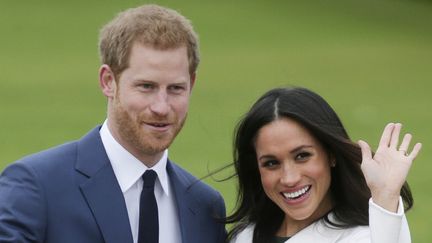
146	86
177	89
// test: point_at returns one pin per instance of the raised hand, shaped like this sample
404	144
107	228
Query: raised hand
386	171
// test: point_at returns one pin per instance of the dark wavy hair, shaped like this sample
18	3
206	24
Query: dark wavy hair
348	187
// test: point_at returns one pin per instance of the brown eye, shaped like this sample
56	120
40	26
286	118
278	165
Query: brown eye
270	163
303	156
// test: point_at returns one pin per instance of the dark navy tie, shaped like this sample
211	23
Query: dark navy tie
148	219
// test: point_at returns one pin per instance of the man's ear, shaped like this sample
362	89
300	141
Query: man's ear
107	81
192	80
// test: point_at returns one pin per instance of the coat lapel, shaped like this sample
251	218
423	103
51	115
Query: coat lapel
318	232
187	206
101	190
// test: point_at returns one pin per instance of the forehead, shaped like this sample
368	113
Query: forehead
149	54
148	63
282	133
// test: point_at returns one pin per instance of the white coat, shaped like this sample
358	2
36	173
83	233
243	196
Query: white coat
384	227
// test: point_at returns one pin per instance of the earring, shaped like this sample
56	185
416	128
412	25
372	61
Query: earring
333	163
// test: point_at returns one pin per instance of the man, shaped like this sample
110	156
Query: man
92	190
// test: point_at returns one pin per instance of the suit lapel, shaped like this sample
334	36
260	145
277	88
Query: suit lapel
102	191
187	206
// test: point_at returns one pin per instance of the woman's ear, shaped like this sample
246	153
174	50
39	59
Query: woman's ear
107	81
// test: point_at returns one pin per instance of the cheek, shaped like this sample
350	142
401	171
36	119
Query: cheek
327	177
318	169
268	180
322	176
181	106
136	104
318	172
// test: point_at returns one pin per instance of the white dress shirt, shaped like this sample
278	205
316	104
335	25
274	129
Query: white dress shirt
128	171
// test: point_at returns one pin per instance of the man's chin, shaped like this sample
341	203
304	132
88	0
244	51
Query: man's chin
155	147
156	142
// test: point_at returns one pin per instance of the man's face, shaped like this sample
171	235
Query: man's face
150	101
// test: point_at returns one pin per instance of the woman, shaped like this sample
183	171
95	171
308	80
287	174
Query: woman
302	179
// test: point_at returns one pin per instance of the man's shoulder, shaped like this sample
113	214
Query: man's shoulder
46	157
193	184
54	157
45	169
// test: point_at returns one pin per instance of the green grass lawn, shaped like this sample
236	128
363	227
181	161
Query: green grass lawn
370	59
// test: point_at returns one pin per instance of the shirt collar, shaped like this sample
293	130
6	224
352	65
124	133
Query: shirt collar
127	168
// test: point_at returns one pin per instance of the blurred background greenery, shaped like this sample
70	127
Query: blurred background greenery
370	59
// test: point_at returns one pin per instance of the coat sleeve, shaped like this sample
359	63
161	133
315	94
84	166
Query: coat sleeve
386	226
22	207
221	212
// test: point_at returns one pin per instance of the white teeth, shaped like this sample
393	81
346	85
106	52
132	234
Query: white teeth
298	193
158	125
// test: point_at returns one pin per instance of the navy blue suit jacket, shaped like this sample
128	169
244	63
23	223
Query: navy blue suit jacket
69	194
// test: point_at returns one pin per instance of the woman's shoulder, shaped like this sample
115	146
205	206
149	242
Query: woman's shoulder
245	235
318	231
322	232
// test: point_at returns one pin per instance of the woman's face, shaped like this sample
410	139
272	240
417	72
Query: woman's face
295	171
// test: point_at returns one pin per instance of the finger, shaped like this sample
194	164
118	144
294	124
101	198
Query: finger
385	137
365	149
415	151
395	135
405	143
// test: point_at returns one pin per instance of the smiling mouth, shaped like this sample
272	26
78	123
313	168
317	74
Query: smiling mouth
158	124
296	194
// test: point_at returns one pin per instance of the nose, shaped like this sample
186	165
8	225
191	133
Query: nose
290	176
160	105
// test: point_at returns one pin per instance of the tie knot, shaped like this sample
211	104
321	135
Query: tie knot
149	178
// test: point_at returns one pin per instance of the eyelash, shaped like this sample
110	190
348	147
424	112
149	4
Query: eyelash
270	163
177	88
174	89
301	157
147	86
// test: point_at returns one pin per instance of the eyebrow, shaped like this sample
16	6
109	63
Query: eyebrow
180	82
295	150
266	157
300	148
140	80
